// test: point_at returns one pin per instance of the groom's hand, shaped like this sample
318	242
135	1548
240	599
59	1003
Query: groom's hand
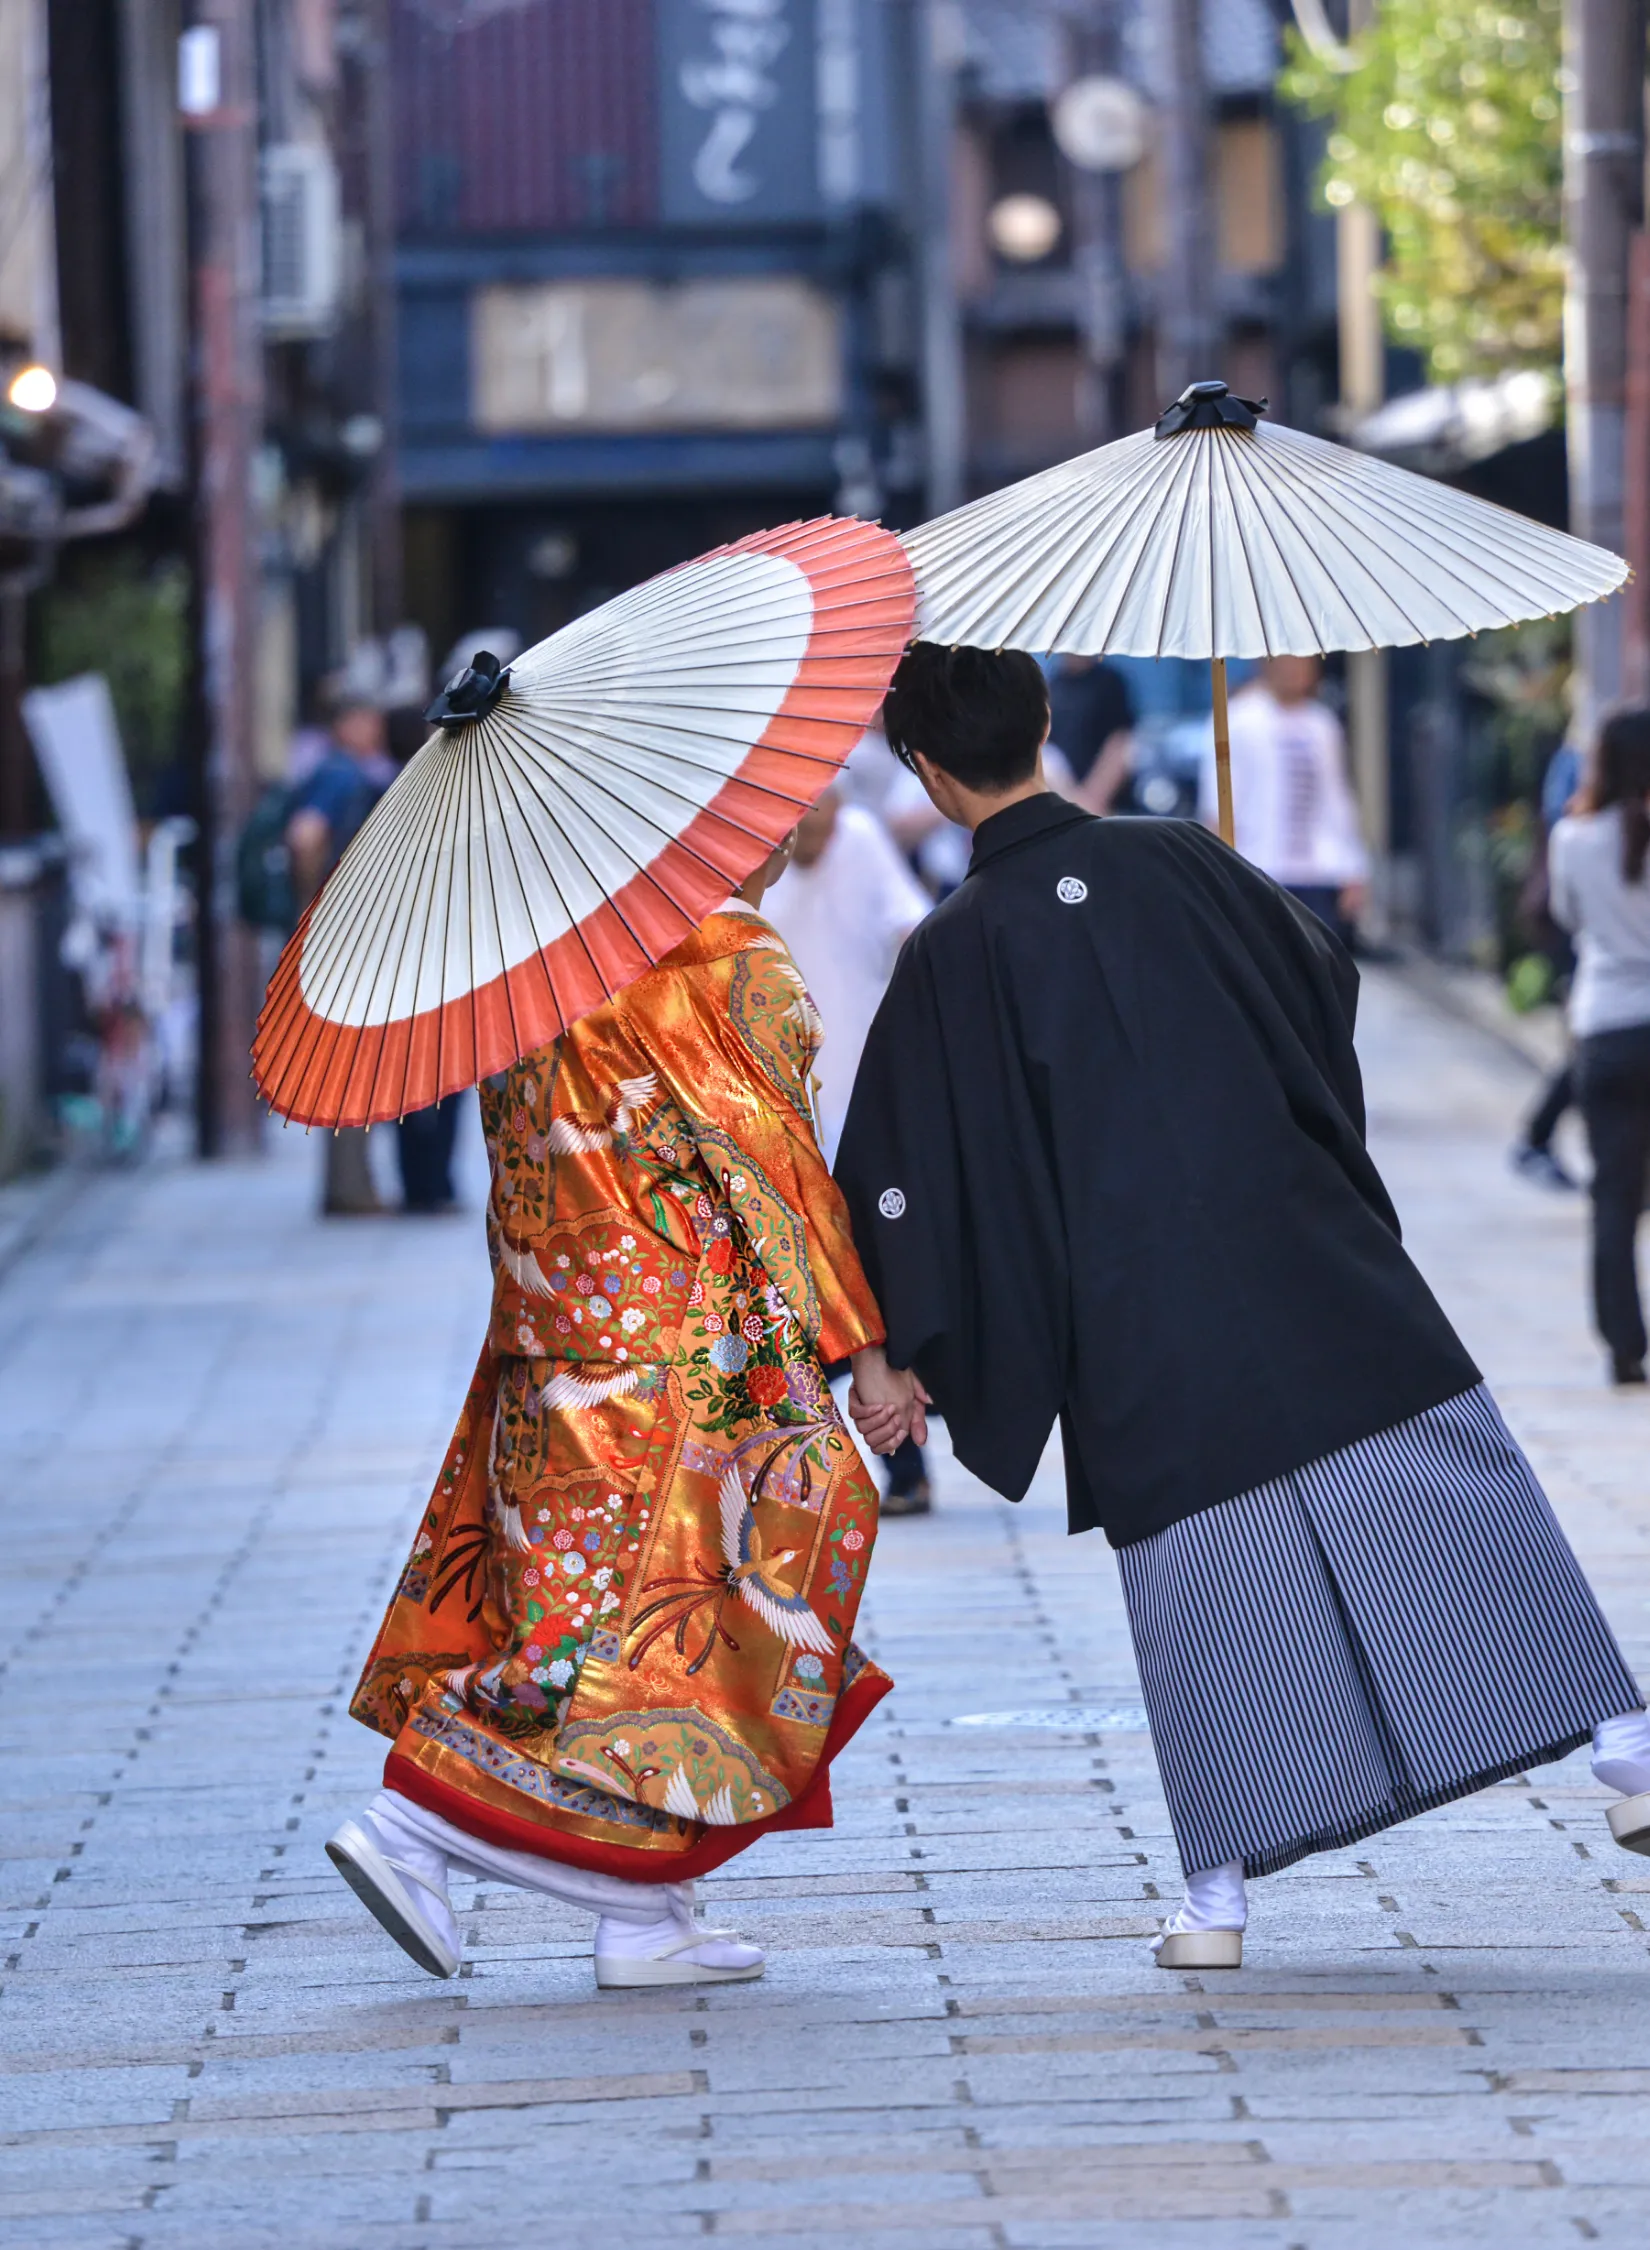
886	1402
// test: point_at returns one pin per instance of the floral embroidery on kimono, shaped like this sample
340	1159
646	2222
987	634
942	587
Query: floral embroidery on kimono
625	1627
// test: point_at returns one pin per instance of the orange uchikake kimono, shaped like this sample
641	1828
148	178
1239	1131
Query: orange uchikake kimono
622	1638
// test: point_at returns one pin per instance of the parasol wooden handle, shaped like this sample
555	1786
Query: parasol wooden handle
1223	753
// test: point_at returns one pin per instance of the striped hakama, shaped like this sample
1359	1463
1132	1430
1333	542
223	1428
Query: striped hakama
1393	1626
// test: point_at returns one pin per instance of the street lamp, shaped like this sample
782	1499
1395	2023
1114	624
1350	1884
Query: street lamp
32	390
1023	228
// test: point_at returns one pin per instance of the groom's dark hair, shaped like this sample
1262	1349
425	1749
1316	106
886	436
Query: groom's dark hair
978	713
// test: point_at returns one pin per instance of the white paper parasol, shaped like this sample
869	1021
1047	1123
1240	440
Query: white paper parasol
578	815
1219	535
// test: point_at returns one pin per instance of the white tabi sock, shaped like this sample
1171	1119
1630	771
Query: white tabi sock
1214	1900
618	1940
1621	1753
417	1857
603	1895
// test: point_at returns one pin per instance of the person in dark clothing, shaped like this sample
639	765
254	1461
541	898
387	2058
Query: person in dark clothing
1090	716
1599	872
353	773
1106	1167
1533	1155
424	1148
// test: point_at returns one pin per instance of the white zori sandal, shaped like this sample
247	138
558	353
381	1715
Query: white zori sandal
1621	1760
396	1859
405	1889
672	1949
1206	1929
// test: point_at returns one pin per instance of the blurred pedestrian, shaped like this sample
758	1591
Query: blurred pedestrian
424	1143
1091	724
344	784
1601	894
1295	816
845	907
1533	1155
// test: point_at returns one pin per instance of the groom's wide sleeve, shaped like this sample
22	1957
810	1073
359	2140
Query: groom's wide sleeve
897	1166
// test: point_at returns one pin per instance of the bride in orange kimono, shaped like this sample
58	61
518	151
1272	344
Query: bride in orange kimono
621	1648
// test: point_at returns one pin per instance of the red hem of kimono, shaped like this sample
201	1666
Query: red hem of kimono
810	1809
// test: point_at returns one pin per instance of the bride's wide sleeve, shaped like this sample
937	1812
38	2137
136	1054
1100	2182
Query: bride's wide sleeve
749	1110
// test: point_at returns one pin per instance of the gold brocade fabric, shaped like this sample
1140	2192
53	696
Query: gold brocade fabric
627	1616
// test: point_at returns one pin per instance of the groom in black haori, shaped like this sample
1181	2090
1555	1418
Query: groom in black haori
1106	1165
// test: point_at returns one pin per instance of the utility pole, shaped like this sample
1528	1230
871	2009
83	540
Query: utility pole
218	98
1362	355
1603	206
1093	50
1188	331
369	93
944	416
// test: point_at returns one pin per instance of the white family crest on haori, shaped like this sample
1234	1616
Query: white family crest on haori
1071	890
577	814
891	1203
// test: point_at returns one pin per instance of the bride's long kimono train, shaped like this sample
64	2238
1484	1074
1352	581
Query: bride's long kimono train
623	1636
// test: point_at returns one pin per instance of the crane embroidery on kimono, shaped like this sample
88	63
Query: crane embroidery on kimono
748	1574
567	1390
577	1135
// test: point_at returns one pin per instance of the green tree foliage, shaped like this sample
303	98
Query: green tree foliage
1449	130
109	613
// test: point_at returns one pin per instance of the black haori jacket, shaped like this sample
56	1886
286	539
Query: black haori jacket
1106	1165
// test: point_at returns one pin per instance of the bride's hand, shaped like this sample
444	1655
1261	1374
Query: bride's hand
886	1402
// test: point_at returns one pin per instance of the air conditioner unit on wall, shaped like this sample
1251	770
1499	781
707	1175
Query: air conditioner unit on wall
301	242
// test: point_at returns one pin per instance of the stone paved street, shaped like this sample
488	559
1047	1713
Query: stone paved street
217	1419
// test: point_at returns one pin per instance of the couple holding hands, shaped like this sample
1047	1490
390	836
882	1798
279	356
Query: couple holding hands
1104	1167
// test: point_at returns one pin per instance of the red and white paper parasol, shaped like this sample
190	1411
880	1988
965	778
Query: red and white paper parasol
606	794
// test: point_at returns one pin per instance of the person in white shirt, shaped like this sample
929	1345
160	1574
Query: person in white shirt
845	906
1295	816
1599	888
938	848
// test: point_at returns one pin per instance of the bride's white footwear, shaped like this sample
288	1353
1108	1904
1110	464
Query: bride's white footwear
1621	1760
404	1890
1630	1822
1206	1929
676	1949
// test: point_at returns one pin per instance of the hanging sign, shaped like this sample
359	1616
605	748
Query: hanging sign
738	125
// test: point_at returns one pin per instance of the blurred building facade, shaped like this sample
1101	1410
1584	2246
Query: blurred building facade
195	245
669	272
470	313
656	288
1066	277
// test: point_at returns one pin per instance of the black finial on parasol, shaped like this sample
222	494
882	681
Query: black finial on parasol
1209	406
472	695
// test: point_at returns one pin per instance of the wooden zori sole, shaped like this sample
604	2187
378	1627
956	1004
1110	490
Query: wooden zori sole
1629	1820
1201	1949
